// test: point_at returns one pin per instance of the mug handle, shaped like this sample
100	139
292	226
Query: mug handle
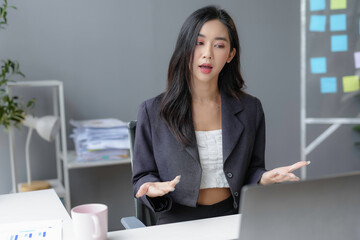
97	229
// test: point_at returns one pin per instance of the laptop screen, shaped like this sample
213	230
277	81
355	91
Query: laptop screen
327	208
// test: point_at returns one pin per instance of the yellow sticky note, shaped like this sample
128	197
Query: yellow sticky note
351	83
337	4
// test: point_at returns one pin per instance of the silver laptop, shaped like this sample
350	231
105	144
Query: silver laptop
321	209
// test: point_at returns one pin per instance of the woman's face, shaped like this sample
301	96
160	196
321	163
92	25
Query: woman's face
212	52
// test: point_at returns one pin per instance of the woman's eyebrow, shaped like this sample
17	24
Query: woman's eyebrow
217	38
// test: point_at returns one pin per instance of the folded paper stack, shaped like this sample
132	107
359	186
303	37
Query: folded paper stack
100	139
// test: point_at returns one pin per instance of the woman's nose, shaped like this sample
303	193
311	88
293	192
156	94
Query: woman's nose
208	52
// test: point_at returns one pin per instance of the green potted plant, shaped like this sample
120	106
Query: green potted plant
12	109
357	129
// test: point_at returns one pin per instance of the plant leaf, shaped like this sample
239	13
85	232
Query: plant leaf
356	128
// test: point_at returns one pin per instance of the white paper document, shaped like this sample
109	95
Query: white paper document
34	230
99	123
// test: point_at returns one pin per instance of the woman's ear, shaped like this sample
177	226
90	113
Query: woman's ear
231	55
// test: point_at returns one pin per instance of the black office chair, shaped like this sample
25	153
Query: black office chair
144	216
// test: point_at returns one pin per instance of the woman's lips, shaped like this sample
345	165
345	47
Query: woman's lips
205	68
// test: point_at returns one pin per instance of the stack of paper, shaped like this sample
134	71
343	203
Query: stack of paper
100	139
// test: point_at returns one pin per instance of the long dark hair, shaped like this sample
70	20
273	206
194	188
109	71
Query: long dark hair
175	108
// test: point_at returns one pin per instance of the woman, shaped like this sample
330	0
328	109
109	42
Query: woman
203	127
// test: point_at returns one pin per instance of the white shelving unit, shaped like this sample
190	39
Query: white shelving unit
64	162
73	163
60	183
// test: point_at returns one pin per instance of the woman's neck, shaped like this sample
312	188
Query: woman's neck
205	93
206	107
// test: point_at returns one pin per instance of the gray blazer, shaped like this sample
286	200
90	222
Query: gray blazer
159	157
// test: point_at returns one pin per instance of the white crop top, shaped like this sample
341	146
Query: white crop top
211	159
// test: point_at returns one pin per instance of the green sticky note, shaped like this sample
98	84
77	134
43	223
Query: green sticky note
351	83
337	4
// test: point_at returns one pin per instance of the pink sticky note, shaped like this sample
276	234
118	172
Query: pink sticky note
357	59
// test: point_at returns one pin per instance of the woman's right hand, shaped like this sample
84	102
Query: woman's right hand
157	189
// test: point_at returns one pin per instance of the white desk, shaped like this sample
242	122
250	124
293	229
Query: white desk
33	206
45	205
212	228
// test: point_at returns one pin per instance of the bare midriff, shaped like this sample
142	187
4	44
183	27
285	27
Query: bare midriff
210	196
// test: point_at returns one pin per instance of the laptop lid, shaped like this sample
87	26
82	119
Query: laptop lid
327	208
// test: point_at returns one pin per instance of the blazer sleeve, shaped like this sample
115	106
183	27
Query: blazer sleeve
144	165
257	162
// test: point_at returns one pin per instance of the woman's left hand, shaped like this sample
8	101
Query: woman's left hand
282	174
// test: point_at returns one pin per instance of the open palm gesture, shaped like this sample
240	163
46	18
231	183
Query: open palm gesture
282	174
157	189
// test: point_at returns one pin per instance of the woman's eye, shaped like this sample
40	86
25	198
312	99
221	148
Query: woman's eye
199	43
219	45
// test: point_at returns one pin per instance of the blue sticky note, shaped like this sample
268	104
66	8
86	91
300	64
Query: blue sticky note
316	5
317	23
339	43
338	22
318	65
328	85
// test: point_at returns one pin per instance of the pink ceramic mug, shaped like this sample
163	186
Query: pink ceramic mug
90	221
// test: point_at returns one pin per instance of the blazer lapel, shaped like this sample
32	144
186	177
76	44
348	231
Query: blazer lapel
193	151
232	127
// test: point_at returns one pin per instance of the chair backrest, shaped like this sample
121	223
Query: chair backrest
142	212
132	129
